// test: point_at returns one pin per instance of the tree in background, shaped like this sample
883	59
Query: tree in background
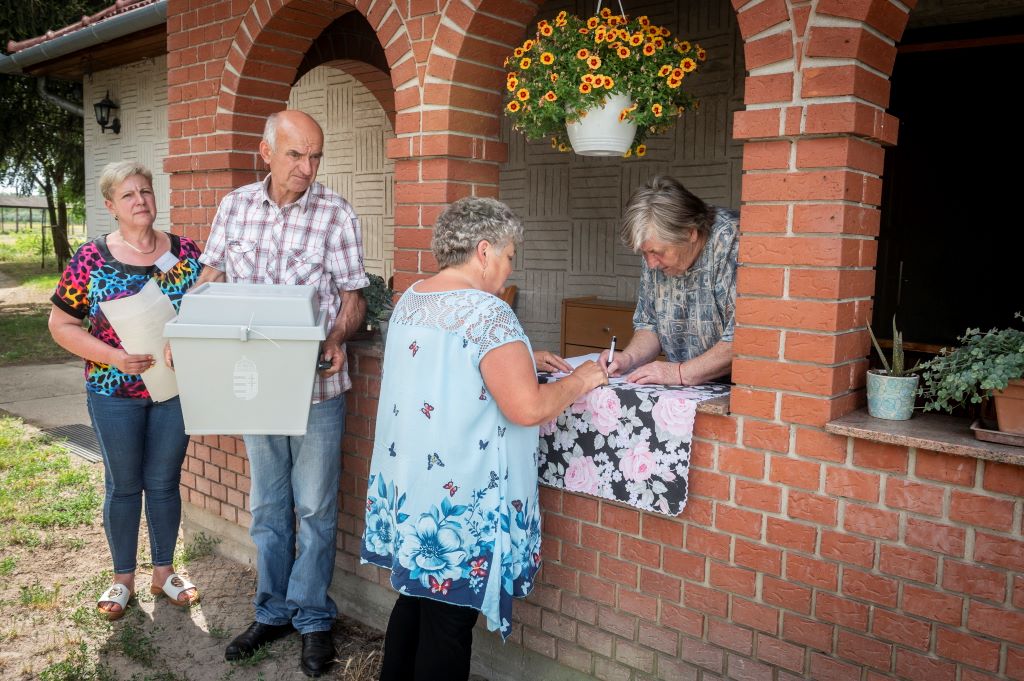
41	145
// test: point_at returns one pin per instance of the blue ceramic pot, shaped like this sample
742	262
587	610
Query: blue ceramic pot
891	397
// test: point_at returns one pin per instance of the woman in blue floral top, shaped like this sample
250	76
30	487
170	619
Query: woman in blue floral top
451	507
686	305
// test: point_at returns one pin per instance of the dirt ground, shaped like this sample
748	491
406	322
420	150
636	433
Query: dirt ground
47	611
154	641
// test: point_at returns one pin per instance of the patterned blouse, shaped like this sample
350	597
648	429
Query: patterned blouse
94	276
451	507
697	309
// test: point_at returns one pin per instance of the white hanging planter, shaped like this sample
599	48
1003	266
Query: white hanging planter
599	132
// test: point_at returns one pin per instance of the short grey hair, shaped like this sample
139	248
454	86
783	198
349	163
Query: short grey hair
270	130
665	210
467	222
117	172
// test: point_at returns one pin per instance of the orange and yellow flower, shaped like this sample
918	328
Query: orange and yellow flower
677	73
659	42
592	22
683	46
636	39
514	106
587	78
623	52
512	84
649	50
664	70
517	53
701	53
550	96
546	30
609	82
641	149
523	94
599	34
582	53
554	77
657	110
643	20
585	88
524	63
547	58
528	45
563	147
583	31
562	16
594	62
605	13
687	64
674	82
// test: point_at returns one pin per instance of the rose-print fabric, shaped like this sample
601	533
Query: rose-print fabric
626	443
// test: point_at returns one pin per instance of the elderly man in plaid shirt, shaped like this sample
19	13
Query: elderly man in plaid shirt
289	229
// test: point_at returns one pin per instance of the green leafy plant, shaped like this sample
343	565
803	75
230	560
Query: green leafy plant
572	64
897	368
981	364
378	301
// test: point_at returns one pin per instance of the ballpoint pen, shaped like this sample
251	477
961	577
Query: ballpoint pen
611	351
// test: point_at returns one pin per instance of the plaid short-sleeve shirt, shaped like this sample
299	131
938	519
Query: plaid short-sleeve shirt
316	241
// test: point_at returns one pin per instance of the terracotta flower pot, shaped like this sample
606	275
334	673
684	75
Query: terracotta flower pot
891	397
600	132
1010	407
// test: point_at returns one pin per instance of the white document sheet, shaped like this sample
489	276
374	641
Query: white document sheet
574	362
139	322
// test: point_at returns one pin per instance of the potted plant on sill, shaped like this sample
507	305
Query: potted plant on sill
891	390
579	73
989	364
379	305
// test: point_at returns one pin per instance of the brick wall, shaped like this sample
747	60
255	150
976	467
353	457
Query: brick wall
801	554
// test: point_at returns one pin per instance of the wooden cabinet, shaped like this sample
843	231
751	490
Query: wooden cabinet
588	324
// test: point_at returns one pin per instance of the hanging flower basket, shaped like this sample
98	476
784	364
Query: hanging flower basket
602	131
573	66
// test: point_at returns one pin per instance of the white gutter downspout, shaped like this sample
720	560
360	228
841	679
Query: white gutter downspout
101	32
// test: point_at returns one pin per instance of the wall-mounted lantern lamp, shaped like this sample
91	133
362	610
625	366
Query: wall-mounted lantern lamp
104	108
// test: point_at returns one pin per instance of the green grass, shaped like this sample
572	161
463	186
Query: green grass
199	547
135	644
39	597
7	565
40	489
24	336
77	666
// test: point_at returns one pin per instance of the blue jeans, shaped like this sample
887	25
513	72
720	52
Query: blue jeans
143	444
295	478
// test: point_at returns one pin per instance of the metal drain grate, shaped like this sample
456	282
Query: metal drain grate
78	439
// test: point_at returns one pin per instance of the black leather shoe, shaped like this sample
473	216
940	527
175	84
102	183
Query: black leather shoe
255	637
317	652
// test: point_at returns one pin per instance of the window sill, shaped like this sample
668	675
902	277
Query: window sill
934	432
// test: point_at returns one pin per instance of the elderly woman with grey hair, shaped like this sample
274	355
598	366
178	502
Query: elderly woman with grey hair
686	305
451	508
143	442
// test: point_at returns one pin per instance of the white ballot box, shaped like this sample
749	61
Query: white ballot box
245	357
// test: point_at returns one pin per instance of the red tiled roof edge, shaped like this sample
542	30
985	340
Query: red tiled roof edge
119	7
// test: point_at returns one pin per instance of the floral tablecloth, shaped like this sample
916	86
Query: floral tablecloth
626	442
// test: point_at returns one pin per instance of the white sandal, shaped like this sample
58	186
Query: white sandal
117	594
173	587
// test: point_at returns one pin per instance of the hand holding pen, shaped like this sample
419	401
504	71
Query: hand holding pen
611	361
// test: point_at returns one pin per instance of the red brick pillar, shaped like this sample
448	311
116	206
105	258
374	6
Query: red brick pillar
815	125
